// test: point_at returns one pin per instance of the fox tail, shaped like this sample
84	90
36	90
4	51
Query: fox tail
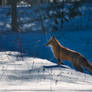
86	64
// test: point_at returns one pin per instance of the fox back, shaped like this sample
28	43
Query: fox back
59	51
63	53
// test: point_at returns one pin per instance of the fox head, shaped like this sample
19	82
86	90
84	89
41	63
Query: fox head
51	41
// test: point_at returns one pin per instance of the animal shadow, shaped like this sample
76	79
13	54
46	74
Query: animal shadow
55	66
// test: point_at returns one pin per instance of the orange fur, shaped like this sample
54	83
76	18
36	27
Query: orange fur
63	53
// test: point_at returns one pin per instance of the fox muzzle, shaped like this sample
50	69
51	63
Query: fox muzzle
46	44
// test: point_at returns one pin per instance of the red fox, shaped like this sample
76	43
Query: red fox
63	53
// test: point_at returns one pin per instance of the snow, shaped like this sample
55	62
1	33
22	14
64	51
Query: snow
27	65
35	74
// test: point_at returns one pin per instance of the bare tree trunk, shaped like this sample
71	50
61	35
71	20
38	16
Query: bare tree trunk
41	20
14	15
4	2
0	2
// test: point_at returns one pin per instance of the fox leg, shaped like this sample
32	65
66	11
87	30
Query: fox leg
60	62
78	67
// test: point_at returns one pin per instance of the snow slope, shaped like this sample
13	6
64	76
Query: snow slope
35	74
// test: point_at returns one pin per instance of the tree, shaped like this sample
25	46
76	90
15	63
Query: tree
0	2
64	12
13	4
14	15
4	2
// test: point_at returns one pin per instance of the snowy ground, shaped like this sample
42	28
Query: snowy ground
35	74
